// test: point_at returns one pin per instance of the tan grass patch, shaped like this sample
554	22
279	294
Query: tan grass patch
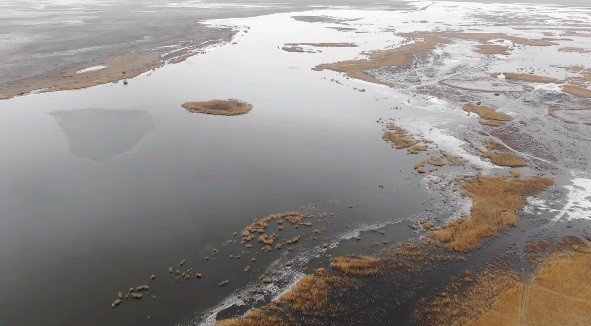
400	138
229	107
502	158
492	49
530	78
267	316
488	114
577	91
311	294
559	294
357	266
496	203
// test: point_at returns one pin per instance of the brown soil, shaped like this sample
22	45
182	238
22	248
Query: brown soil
490	116
577	91
559	293
357	266
527	78
496	201
492	49
229	107
572	49
117	68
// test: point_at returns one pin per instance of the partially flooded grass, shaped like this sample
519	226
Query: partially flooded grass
400	138
558	293
398	57
496	201
357	266
501	158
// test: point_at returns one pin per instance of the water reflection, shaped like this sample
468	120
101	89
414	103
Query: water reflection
98	134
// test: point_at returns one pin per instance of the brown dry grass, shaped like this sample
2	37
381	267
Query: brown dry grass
527	78
496	203
311	294
502	158
492	49
229	107
488	113
459	306
266	316
357	266
558	294
577	91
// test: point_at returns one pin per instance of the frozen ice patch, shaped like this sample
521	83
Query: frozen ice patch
578	199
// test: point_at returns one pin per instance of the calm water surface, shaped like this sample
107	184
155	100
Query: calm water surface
102	187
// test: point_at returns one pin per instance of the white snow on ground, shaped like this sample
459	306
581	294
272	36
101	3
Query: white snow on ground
578	199
89	69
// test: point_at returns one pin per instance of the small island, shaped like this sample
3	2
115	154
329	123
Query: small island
228	107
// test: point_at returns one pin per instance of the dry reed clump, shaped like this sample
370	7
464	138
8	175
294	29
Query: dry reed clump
357	266
490	116
492	49
260	226
228	107
311	294
496	201
559	293
529	78
577	91
502	158
400	138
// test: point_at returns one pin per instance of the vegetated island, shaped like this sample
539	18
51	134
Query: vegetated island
228	107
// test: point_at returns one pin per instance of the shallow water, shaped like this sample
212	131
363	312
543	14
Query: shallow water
104	186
